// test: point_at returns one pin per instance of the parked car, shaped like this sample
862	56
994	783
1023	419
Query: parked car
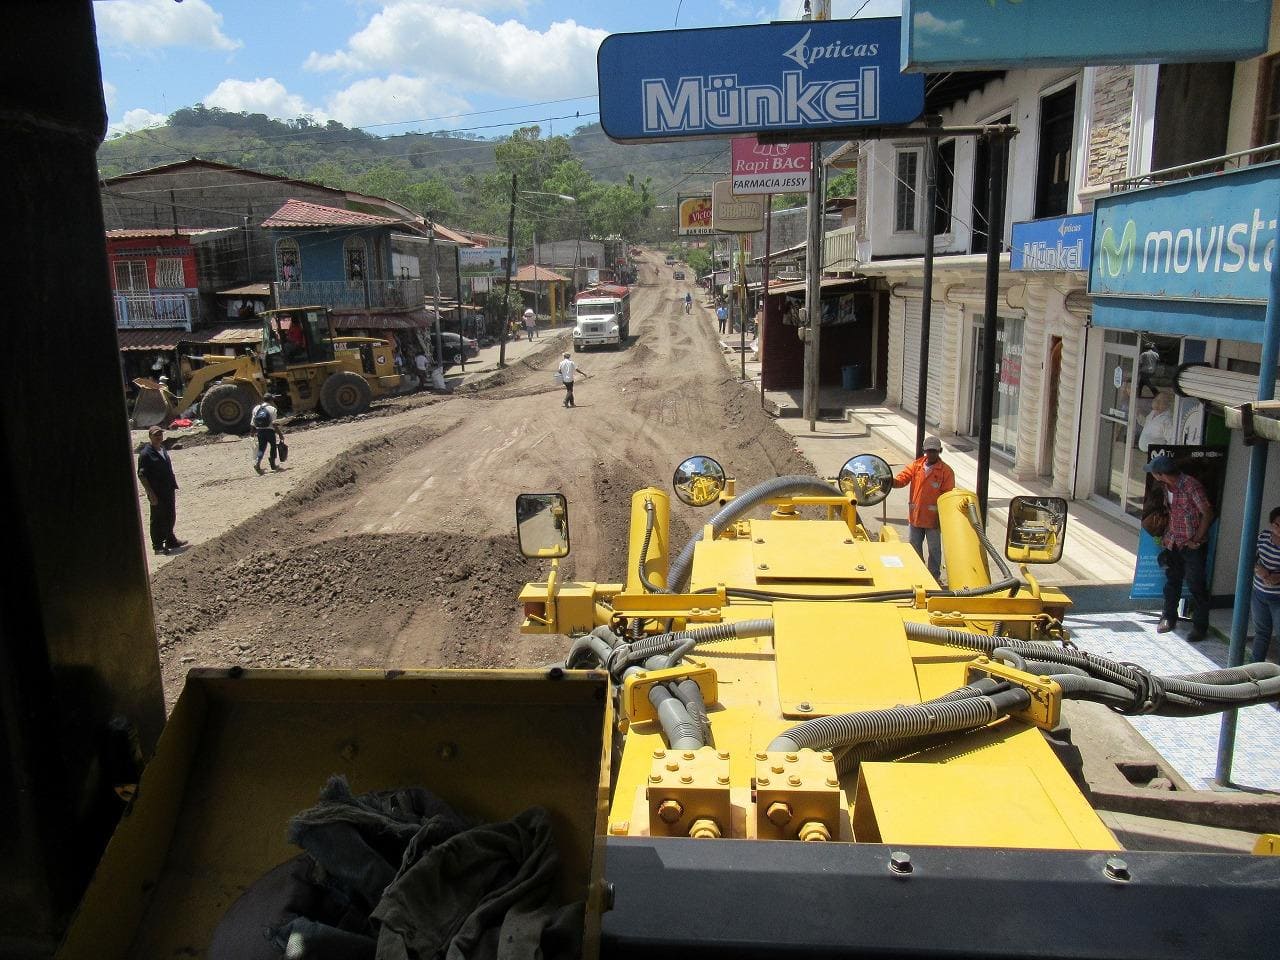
678	275
453	346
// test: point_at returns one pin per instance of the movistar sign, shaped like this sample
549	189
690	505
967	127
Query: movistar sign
677	84
1201	247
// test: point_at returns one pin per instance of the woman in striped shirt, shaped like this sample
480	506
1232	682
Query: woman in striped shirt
1266	586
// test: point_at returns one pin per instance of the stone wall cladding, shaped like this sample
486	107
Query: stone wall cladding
1111	120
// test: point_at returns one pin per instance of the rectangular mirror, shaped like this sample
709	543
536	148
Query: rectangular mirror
1037	529
542	524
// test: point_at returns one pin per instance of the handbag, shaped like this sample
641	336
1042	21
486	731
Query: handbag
558	377
1156	522
282	450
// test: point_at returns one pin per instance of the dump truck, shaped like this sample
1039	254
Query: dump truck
298	359
602	316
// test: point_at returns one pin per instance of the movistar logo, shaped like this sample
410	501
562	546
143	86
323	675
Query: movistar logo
806	56
1114	258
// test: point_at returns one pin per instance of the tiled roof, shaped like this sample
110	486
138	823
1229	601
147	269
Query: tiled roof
148	233
533	274
300	213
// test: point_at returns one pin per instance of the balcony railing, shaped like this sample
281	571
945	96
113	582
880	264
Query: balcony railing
1228	161
175	308
373	294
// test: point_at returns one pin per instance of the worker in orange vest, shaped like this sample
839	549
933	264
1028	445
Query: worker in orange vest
929	478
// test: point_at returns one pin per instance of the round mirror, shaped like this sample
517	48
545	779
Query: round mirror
867	478
698	481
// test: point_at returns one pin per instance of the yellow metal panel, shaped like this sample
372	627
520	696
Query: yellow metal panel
962	805
837	658
814	550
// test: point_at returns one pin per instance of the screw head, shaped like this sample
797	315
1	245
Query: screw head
1117	869
803	706
900	862
779	813
669	811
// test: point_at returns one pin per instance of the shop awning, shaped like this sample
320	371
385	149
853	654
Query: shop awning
232	335
248	290
411	320
152	340
828	283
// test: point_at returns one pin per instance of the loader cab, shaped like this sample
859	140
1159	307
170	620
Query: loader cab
296	336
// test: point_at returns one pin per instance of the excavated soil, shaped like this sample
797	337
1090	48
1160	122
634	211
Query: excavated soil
401	552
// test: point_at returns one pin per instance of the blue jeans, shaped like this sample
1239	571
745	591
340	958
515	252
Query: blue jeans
1266	612
1187	564
934	536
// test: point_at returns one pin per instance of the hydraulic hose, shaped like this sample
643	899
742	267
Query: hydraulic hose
913	720
690	694
976	522
678	575
680	729
640	650
644	551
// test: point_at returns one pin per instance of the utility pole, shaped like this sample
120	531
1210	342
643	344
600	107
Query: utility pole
813	266
438	346
996	143
506	289
926	307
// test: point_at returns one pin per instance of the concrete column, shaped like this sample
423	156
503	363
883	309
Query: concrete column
1031	387
1073	331
897	332
950	320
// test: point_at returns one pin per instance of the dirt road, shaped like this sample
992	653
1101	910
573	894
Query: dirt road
400	550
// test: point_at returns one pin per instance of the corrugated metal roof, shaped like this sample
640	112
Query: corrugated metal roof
412	320
151	233
828	283
248	290
300	213
158	340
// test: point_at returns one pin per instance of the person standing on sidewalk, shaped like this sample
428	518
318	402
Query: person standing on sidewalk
566	372
267	431
722	316
155	471
530	324
1184	546
1266	587
929	478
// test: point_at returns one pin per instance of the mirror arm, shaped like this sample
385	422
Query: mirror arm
1032	582
553	589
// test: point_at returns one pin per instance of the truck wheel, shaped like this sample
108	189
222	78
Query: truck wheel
345	395
226	408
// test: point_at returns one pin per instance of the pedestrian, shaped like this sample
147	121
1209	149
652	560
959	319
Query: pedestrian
929	478
420	361
267	430
722	316
1183	544
155	472
688	302
566	371
530	324
1266	587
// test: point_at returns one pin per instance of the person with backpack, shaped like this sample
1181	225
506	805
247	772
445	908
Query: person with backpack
263	421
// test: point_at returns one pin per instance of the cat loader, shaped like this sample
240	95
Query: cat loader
298	359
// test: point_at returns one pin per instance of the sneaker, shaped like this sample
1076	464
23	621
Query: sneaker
258	467
158	550
177	543
1165	625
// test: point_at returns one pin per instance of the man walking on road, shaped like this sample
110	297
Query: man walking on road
530	324
1184	546
929	478
722	316
267	430
155	471
688	302
566	371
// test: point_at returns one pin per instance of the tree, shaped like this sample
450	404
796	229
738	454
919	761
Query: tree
845	185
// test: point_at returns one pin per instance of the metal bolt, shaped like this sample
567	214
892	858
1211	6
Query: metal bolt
832	782
1117	869
687	778
792	758
763	566
704	828
723	781
848	539
794	781
659	754
762	756
803	706
813	831
607	896
761	540
762	781
828	757
655	778
779	813
900	863
723	754
777	768
688	756
669	811
620	828
862	568
673	764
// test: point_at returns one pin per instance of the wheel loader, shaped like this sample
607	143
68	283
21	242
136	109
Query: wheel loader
298	359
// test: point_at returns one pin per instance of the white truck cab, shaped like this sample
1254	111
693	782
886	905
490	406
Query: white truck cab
603	317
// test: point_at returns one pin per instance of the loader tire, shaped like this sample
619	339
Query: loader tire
226	408
345	395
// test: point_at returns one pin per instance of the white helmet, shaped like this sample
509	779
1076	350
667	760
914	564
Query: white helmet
528	312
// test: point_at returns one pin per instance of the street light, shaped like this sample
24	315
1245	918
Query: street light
511	239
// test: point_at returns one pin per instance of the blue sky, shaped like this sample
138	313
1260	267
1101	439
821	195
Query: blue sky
390	66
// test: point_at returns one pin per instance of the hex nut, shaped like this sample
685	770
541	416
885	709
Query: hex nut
779	813
670	811
1117	869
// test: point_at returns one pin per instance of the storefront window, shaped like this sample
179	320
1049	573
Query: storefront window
1007	371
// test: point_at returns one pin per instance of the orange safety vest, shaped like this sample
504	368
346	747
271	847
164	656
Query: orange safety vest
925	490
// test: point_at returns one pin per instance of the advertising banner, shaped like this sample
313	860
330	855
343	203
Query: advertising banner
1209	466
972	35
773	77
733	214
1057	243
693	216
483	261
760	168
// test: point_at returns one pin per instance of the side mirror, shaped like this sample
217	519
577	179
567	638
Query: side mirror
1037	529
867	478
698	481
542	525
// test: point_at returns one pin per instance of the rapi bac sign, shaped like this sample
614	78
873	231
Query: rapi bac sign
758	168
775	77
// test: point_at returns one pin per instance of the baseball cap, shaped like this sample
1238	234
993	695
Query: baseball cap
1161	465
932	443
154	430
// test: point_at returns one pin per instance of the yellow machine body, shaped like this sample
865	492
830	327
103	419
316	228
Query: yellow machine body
1001	786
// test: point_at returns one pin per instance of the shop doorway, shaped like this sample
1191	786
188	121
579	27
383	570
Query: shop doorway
1006	369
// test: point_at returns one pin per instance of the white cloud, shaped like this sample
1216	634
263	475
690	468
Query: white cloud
109	93
926	22
472	52
161	23
394	98
263	95
138	118
841	9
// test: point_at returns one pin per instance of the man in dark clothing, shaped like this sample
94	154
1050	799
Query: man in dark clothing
1184	546
155	471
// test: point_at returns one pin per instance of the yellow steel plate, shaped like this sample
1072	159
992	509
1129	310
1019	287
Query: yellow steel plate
814	550
840	657
967	805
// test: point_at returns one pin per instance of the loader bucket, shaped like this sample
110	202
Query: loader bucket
154	405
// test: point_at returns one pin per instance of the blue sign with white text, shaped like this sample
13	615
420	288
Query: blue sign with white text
764	78
985	34
1057	243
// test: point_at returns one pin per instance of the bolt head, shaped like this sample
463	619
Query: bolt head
900	862
779	813
1117	869
670	811
804	706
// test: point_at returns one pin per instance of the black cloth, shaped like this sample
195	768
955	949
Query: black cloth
164	515
398	874
156	469
1184	563
267	438
568	393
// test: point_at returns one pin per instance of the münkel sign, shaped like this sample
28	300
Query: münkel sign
1201	249
693	216
775	77
758	168
1056	243
972	35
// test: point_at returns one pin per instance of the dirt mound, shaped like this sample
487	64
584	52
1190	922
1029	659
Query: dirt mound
542	359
